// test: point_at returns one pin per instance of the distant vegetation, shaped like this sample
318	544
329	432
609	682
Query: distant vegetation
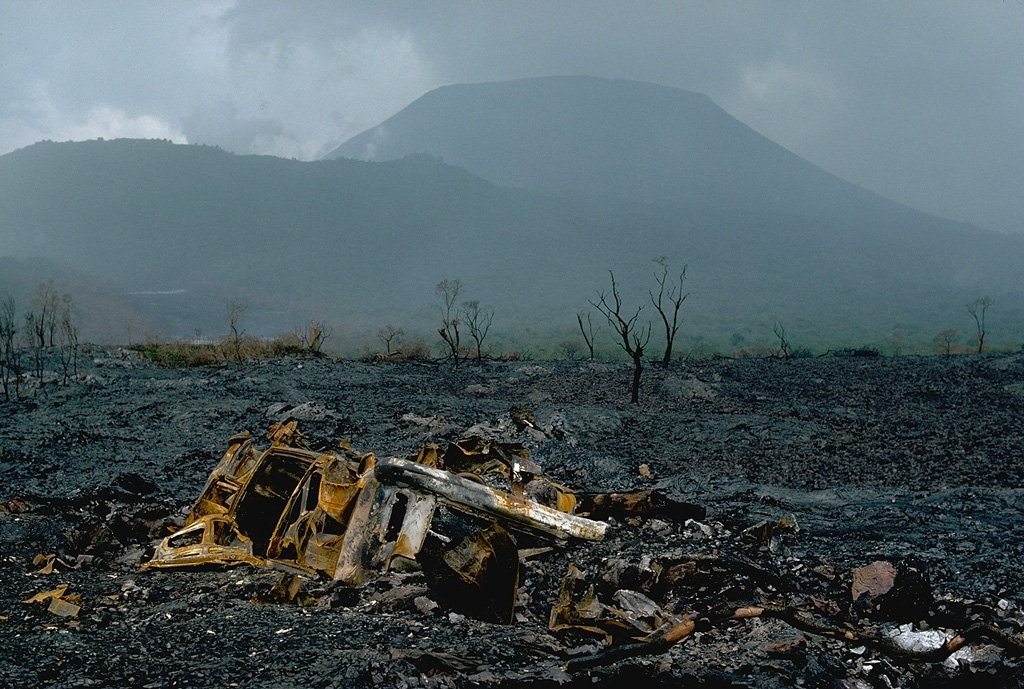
49	324
46	334
183	354
529	192
236	347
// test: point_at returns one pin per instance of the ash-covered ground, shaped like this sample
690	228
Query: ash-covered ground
918	462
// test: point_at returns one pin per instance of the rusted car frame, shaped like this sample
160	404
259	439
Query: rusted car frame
349	516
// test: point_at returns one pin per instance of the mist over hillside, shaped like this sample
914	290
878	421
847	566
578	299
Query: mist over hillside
527	191
611	138
716	192
185	228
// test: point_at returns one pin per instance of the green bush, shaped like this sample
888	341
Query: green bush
183	354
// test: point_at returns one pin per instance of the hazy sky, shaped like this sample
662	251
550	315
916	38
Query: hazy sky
920	101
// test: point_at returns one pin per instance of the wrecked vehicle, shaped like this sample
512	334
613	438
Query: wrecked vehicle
350	517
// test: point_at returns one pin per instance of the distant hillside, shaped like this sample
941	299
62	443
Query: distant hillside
728	200
303	240
173	232
610	137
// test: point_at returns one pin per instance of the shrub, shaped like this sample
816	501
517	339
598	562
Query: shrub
510	355
182	354
754	352
179	354
570	349
862	351
415	350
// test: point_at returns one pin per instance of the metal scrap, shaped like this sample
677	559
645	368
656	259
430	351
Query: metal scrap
351	516
58	602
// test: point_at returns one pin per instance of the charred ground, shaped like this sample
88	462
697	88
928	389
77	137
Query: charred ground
917	461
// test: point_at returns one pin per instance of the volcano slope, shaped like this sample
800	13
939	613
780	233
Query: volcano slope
918	462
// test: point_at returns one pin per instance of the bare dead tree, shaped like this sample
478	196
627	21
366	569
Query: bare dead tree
67	338
780	332
448	292
631	337
977	309
235	310
47	303
588	332
10	367
897	343
478	320
946	338
388	333
669	302
35	337
314	335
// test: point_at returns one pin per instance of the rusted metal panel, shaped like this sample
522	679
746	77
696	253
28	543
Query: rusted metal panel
349	516
462	492
210	539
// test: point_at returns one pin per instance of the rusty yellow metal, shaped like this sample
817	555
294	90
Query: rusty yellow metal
210	539
462	492
347	515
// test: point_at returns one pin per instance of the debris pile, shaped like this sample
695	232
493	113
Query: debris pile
351	516
448	530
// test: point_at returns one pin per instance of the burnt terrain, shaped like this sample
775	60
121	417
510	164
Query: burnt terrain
808	469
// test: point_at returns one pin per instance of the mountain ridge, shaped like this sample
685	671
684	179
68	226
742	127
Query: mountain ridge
599	136
362	244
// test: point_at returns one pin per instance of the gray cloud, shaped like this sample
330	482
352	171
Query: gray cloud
221	124
921	101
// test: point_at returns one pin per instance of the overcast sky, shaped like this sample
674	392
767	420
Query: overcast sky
920	101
